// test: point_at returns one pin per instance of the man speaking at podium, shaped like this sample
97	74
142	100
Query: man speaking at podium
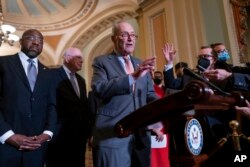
123	84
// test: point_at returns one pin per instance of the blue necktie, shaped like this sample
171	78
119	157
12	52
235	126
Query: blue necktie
73	82
31	73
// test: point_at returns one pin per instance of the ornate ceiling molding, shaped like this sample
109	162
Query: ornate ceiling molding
42	23
101	26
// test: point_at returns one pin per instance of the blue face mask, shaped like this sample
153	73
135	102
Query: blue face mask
223	56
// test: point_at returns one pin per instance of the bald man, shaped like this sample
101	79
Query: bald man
69	144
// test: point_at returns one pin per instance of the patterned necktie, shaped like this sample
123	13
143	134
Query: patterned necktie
128	65
31	73
73	82
129	68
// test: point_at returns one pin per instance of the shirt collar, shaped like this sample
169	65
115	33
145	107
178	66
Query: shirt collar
66	70
23	57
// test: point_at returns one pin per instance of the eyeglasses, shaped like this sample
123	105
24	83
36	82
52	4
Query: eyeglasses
125	35
33	38
205	55
224	50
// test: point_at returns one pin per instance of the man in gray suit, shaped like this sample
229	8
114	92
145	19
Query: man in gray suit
122	83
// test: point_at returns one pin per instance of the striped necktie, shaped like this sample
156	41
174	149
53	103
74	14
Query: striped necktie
129	68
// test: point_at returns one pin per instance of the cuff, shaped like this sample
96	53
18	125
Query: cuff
48	133
6	135
168	67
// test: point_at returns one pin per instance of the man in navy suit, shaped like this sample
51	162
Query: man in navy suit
122	88
27	110
68	146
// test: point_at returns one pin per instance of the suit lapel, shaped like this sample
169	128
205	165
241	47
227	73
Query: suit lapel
116	64
134	62
15	62
80	84
41	78
64	76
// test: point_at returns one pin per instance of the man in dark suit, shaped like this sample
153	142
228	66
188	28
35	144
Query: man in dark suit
69	144
123	84
27	107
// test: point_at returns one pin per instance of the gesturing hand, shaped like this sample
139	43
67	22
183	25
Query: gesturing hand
169	53
244	110
146	66
217	74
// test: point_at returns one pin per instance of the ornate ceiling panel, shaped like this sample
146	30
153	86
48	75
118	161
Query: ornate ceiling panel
46	14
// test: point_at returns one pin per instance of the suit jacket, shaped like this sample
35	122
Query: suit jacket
21	110
73	127
72	111
175	83
111	84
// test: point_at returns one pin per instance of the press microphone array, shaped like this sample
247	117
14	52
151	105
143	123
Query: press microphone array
191	73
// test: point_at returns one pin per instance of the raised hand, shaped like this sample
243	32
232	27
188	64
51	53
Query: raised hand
169	53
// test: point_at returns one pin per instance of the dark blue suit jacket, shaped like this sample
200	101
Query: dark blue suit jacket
73	127
23	111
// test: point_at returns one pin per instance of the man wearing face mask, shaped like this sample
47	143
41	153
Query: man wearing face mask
232	77
222	56
216	125
206	61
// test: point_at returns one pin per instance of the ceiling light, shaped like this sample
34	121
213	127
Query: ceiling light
6	31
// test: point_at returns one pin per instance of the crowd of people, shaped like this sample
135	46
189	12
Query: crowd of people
47	116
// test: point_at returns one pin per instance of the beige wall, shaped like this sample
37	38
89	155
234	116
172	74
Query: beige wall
172	21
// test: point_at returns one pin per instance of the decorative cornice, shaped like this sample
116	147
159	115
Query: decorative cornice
145	4
98	28
86	9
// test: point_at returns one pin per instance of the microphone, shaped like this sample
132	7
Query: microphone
189	72
200	68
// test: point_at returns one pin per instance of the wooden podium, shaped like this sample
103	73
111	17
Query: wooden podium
182	111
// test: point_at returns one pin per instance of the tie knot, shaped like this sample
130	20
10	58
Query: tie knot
126	58
72	75
31	61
